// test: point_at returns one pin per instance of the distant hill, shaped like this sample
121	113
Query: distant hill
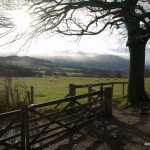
107	62
25	66
77	65
26	61
69	65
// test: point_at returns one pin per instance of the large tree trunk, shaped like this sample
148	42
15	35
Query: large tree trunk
136	89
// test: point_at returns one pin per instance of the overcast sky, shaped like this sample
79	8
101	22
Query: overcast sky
56	45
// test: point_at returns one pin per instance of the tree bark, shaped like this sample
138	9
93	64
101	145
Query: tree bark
136	88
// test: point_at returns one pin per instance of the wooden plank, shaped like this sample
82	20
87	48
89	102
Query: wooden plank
58	133
98	84
17	125
51	120
49	137
56	128
78	127
66	95
79	112
43	130
10	137
64	100
60	114
86	110
10	113
8	126
86	85
120	82
9	146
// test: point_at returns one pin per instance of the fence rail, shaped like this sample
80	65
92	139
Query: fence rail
73	87
32	127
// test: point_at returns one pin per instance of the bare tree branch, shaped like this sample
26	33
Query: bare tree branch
81	17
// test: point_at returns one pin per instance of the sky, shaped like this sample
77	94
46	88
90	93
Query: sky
59	45
104	43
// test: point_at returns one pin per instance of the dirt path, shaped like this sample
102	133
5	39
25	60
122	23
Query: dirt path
122	132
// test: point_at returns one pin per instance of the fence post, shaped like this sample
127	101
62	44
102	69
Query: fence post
102	95
28	96
24	128
32	94
112	85
89	90
107	100
72	92
72	89
123	89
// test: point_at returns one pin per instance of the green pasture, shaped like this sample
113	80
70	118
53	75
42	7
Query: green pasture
52	88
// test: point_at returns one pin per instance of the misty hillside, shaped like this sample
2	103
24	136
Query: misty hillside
76	66
26	61
107	62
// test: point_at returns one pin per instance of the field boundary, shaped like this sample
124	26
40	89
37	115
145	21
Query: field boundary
74	87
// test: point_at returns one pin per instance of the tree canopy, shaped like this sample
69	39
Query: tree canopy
81	17
91	16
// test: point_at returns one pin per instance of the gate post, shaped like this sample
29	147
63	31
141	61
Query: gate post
89	90
112	85
32	94
24	128
107	100
72	92
72	89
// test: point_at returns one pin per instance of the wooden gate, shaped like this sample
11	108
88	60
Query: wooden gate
40	125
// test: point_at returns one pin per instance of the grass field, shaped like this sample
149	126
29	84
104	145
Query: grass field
52	88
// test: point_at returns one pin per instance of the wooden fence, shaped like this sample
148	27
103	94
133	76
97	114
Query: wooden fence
33	128
74	87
